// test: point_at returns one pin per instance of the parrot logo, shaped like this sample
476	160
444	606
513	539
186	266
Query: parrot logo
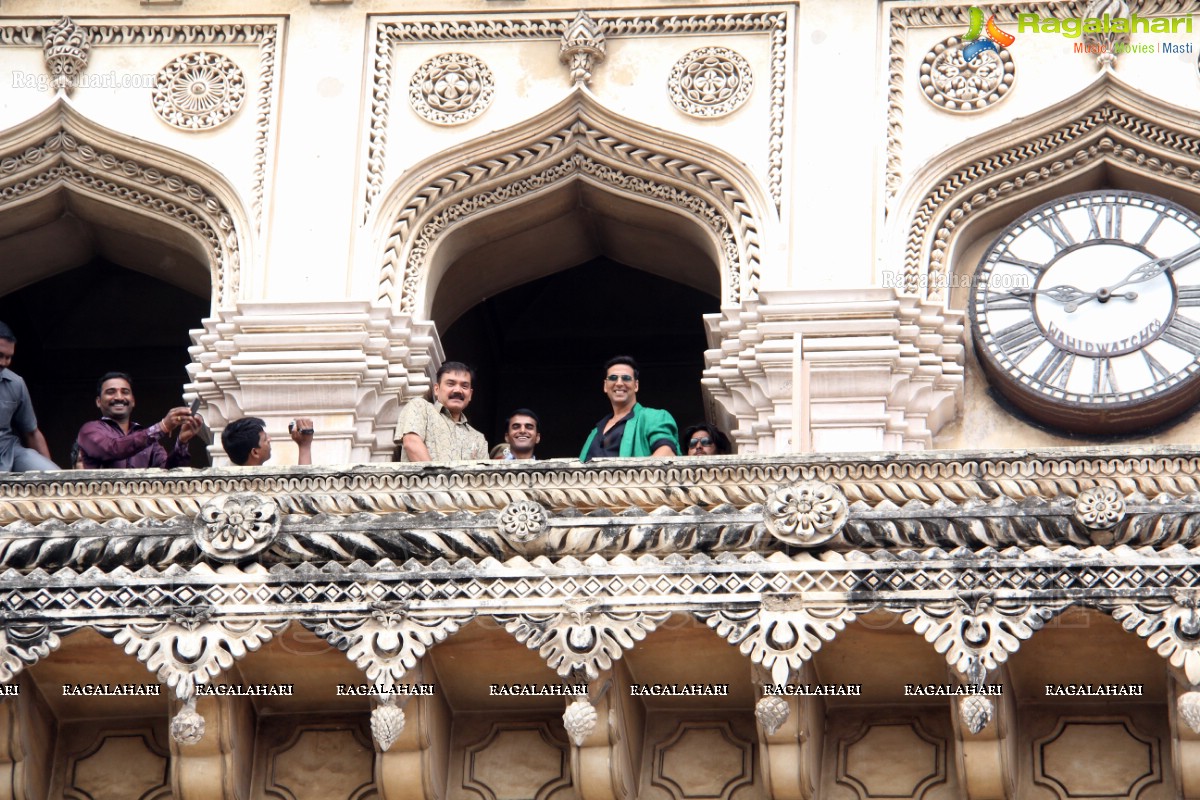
984	37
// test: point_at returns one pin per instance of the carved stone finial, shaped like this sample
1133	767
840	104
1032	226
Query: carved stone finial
233	527
580	720
1105	44
1188	704
806	513
187	727
772	711
1100	507
976	712
65	46
582	47
387	722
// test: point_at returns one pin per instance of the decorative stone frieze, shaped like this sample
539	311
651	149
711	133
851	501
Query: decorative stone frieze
65	46
582	47
451	88
952	83
198	91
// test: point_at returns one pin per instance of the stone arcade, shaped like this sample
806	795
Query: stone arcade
902	586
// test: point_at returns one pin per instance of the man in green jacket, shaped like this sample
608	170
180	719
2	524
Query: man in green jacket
631	429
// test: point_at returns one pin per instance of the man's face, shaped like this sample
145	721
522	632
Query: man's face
620	385
7	348
454	391
263	450
522	435
702	444
116	399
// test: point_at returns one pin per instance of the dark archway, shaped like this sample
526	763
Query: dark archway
74	326
543	345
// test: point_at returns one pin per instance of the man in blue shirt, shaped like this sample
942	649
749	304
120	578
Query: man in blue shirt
22	445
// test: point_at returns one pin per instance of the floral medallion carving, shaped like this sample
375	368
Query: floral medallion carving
65	47
522	521
199	91
451	89
710	82
952	83
236	526
806	513
1099	507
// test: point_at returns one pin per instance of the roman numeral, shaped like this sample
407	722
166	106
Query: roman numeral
1032	266
1156	369
1150	231
1106	221
1188	296
1011	302
1103	380
1019	340
1053	227
1184	334
1055	369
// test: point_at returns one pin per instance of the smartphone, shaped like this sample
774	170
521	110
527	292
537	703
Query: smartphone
195	406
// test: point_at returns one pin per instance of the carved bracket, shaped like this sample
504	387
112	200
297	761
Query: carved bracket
581	640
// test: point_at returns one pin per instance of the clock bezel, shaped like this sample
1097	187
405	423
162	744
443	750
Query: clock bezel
1080	416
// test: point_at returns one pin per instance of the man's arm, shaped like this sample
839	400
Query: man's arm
34	440
302	435
101	442
661	433
414	419
414	447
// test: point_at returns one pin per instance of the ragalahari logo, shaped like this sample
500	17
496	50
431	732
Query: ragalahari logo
984	37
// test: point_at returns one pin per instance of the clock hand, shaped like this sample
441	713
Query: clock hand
1152	269
1062	293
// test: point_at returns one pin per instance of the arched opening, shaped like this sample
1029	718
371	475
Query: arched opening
91	287
538	295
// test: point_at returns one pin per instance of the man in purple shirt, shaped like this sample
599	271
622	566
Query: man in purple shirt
116	442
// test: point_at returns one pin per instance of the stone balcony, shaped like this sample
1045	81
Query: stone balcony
929	601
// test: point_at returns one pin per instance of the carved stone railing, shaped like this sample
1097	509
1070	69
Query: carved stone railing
190	570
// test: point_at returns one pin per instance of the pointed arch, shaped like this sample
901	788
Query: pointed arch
578	139
61	149
1110	124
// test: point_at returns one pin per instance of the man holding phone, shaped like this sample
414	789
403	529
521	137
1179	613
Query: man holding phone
247	443
115	441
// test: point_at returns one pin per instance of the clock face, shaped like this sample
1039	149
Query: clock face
1086	311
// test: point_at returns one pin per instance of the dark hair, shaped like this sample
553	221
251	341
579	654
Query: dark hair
240	437
454	366
719	439
523	412
7	333
627	361
74	458
108	376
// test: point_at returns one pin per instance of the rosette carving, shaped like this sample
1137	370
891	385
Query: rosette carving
710	82
1100	507
806	513
581	639
65	47
199	91
522	521
236	526
451	88
952	83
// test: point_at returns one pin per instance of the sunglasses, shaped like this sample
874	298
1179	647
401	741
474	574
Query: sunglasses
621	378
705	442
